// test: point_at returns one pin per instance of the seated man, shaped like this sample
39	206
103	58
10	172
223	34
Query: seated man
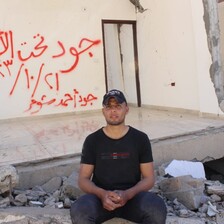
116	172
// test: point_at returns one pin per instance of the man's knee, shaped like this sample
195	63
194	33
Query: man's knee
82	214
155	208
77	213
82	210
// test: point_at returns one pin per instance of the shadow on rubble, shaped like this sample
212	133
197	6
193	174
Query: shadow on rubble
214	169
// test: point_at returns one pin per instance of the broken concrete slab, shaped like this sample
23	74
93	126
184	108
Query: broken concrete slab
37	215
38	173
34	215
186	189
118	221
177	220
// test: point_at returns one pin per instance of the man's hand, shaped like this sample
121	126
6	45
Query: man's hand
110	200
123	197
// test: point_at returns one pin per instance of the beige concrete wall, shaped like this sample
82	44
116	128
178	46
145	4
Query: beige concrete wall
167	53
173	49
52	55
198	145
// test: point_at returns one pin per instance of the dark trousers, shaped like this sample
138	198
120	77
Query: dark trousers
145	207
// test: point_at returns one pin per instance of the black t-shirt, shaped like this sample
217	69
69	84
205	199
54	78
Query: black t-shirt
116	161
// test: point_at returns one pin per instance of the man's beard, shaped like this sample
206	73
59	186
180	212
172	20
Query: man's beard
115	123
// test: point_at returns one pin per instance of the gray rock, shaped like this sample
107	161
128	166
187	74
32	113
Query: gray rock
50	201
67	203
216	188
4	202
215	198
22	198
35	193
70	187
52	185
220	218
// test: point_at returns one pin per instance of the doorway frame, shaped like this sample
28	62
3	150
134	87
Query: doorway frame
134	29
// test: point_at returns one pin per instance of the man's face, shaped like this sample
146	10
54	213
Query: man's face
114	112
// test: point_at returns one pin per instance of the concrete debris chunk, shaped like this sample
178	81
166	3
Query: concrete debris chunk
35	203
220	218
13	218
20	199
52	185
188	190
70	187
217	189
176	220
212	211
5	202
8	178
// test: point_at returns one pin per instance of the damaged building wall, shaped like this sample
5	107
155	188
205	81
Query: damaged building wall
221	25
174	57
166	50
211	18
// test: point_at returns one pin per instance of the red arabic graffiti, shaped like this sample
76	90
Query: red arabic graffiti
17	65
74	99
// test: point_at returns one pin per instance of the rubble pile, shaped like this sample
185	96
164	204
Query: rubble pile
188	199
192	198
58	192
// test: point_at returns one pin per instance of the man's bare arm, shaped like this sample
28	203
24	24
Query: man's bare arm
146	183
85	184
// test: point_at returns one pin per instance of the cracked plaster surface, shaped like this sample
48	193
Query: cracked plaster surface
213	36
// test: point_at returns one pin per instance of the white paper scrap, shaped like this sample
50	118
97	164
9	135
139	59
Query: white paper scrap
181	167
